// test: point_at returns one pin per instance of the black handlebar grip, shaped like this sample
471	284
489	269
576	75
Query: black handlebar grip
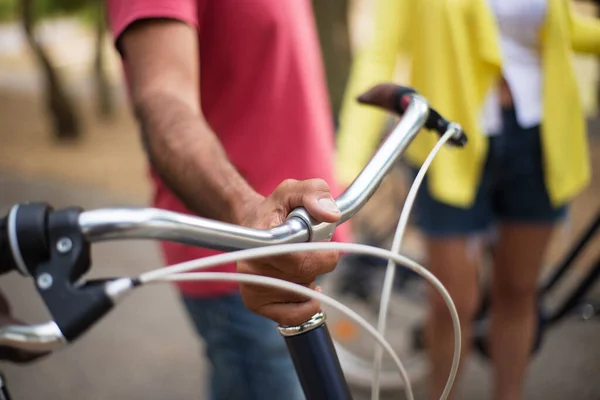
397	98
435	122
7	261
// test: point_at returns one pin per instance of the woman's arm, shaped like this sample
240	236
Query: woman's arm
360	126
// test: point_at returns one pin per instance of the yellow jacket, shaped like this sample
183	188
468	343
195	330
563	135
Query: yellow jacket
454	56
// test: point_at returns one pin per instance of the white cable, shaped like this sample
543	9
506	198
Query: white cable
302	247
388	280
292	287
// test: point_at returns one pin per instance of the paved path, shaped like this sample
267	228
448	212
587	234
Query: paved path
145	349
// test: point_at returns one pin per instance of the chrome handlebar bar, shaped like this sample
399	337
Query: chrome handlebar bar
148	223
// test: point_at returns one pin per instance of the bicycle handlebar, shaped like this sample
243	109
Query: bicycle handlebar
64	237
121	223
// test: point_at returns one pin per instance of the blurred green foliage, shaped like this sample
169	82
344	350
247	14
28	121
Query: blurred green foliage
9	9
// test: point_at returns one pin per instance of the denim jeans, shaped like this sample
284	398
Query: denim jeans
248	356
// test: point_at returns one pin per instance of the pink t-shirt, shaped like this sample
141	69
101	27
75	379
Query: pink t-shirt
263	92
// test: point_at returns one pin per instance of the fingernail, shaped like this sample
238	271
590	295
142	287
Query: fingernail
329	205
319	289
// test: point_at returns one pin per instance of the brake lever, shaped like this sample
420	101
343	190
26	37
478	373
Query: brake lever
24	343
57	263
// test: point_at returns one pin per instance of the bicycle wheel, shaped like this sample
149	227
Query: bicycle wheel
357	282
356	349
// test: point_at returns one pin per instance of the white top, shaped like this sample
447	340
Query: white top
519	23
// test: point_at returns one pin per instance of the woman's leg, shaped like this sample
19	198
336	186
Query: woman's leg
453	242
454	262
527	219
518	260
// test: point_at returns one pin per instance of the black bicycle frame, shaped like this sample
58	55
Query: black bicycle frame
317	365
574	299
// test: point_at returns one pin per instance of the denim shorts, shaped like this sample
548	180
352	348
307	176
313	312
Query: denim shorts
511	189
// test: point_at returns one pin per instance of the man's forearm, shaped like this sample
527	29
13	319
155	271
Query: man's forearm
191	161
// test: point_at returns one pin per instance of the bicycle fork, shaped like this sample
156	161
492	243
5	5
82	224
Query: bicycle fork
315	359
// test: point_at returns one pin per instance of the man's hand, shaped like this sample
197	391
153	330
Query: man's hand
303	268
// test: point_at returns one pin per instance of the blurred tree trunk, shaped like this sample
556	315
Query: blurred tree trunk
104	98
65	122
332	23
